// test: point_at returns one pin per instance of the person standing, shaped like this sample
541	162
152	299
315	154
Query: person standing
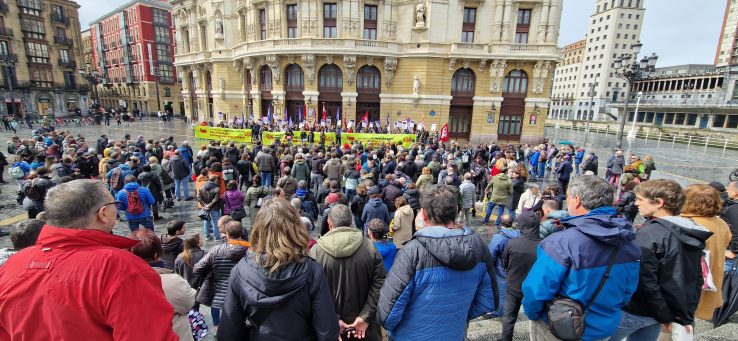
593	231
355	273
670	280
280	292
171	243
499	190
518	257
730	215
615	165
703	205
107	291
218	263
209	198
266	164
468	195
191	254
181	174
563	172
176	289
461	283
496	246
136	202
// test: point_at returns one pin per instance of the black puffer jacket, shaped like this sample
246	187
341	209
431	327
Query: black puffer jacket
390	193
413	198
292	303
730	215
626	206
220	260
670	280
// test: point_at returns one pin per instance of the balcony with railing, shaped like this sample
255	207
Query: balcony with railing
11	56
63	41
67	63
6	32
59	19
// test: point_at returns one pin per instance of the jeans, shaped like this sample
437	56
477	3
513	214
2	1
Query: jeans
266	179
316	181
512	309
215	313
533	171
349	194
634	327
146	222
577	166
500	293
541	169
181	189
500	211
212	223
729	265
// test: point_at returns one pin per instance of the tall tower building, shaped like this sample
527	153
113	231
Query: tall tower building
727	49
614	27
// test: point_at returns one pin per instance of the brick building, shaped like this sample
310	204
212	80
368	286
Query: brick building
133	50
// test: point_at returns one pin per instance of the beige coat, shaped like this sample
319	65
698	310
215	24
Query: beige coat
182	297
716	245
402	225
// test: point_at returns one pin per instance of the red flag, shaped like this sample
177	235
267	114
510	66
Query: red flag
443	137
365	118
306	113
324	112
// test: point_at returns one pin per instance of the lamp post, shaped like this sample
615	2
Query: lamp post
156	80
9	73
632	133
561	103
589	112
93	77
629	68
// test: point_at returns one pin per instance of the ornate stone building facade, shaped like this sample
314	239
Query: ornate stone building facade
485	67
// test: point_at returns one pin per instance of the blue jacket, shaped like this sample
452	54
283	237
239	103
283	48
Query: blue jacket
388	251
440	280
146	199
579	156
572	262
534	158
497	244
375	208
185	153
126	171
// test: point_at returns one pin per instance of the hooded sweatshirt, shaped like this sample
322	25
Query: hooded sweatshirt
440	280
670	281
375	208
171	247
297	298
355	272
147	199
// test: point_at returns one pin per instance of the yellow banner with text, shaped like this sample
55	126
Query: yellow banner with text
406	140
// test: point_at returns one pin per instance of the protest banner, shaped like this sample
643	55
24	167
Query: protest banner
222	134
270	137
406	140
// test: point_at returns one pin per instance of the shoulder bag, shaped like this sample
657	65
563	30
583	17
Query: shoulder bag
566	317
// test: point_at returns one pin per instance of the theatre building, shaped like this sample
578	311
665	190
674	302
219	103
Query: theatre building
483	67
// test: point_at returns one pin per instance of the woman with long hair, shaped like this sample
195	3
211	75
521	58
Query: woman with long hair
280	292
191	254
703	206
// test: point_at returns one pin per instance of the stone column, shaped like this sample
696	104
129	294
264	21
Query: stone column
542	22
497	27
554	20
507	22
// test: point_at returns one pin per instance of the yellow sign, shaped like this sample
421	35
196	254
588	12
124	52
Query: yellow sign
223	134
270	137
376	140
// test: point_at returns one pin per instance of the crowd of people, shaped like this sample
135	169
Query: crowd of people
353	241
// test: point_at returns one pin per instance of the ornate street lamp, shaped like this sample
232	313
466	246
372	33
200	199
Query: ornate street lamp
629	68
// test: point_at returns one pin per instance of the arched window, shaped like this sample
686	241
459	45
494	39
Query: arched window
462	83
330	78
294	78
516	82
369	79
265	78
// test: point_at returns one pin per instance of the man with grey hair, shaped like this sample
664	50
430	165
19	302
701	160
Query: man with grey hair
85	271
355	272
572	263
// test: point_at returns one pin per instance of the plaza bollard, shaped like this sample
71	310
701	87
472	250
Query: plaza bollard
689	142
673	142
658	144
647	132
707	140
725	146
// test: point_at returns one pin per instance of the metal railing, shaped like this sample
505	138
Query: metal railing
705	144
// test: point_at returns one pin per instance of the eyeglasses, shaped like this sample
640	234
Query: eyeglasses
110	203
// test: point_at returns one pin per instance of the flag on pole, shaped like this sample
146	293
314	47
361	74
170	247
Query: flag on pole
285	113
338	115
269	114
290	122
325	113
365	118
306	112
443	137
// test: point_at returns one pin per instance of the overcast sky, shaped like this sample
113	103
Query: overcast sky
679	31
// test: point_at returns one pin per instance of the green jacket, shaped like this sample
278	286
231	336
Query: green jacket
499	189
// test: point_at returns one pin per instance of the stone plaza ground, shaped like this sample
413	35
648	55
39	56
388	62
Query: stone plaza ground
685	168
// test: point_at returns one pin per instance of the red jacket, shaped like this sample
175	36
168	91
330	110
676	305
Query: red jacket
82	285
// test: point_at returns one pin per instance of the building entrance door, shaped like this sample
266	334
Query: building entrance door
459	122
